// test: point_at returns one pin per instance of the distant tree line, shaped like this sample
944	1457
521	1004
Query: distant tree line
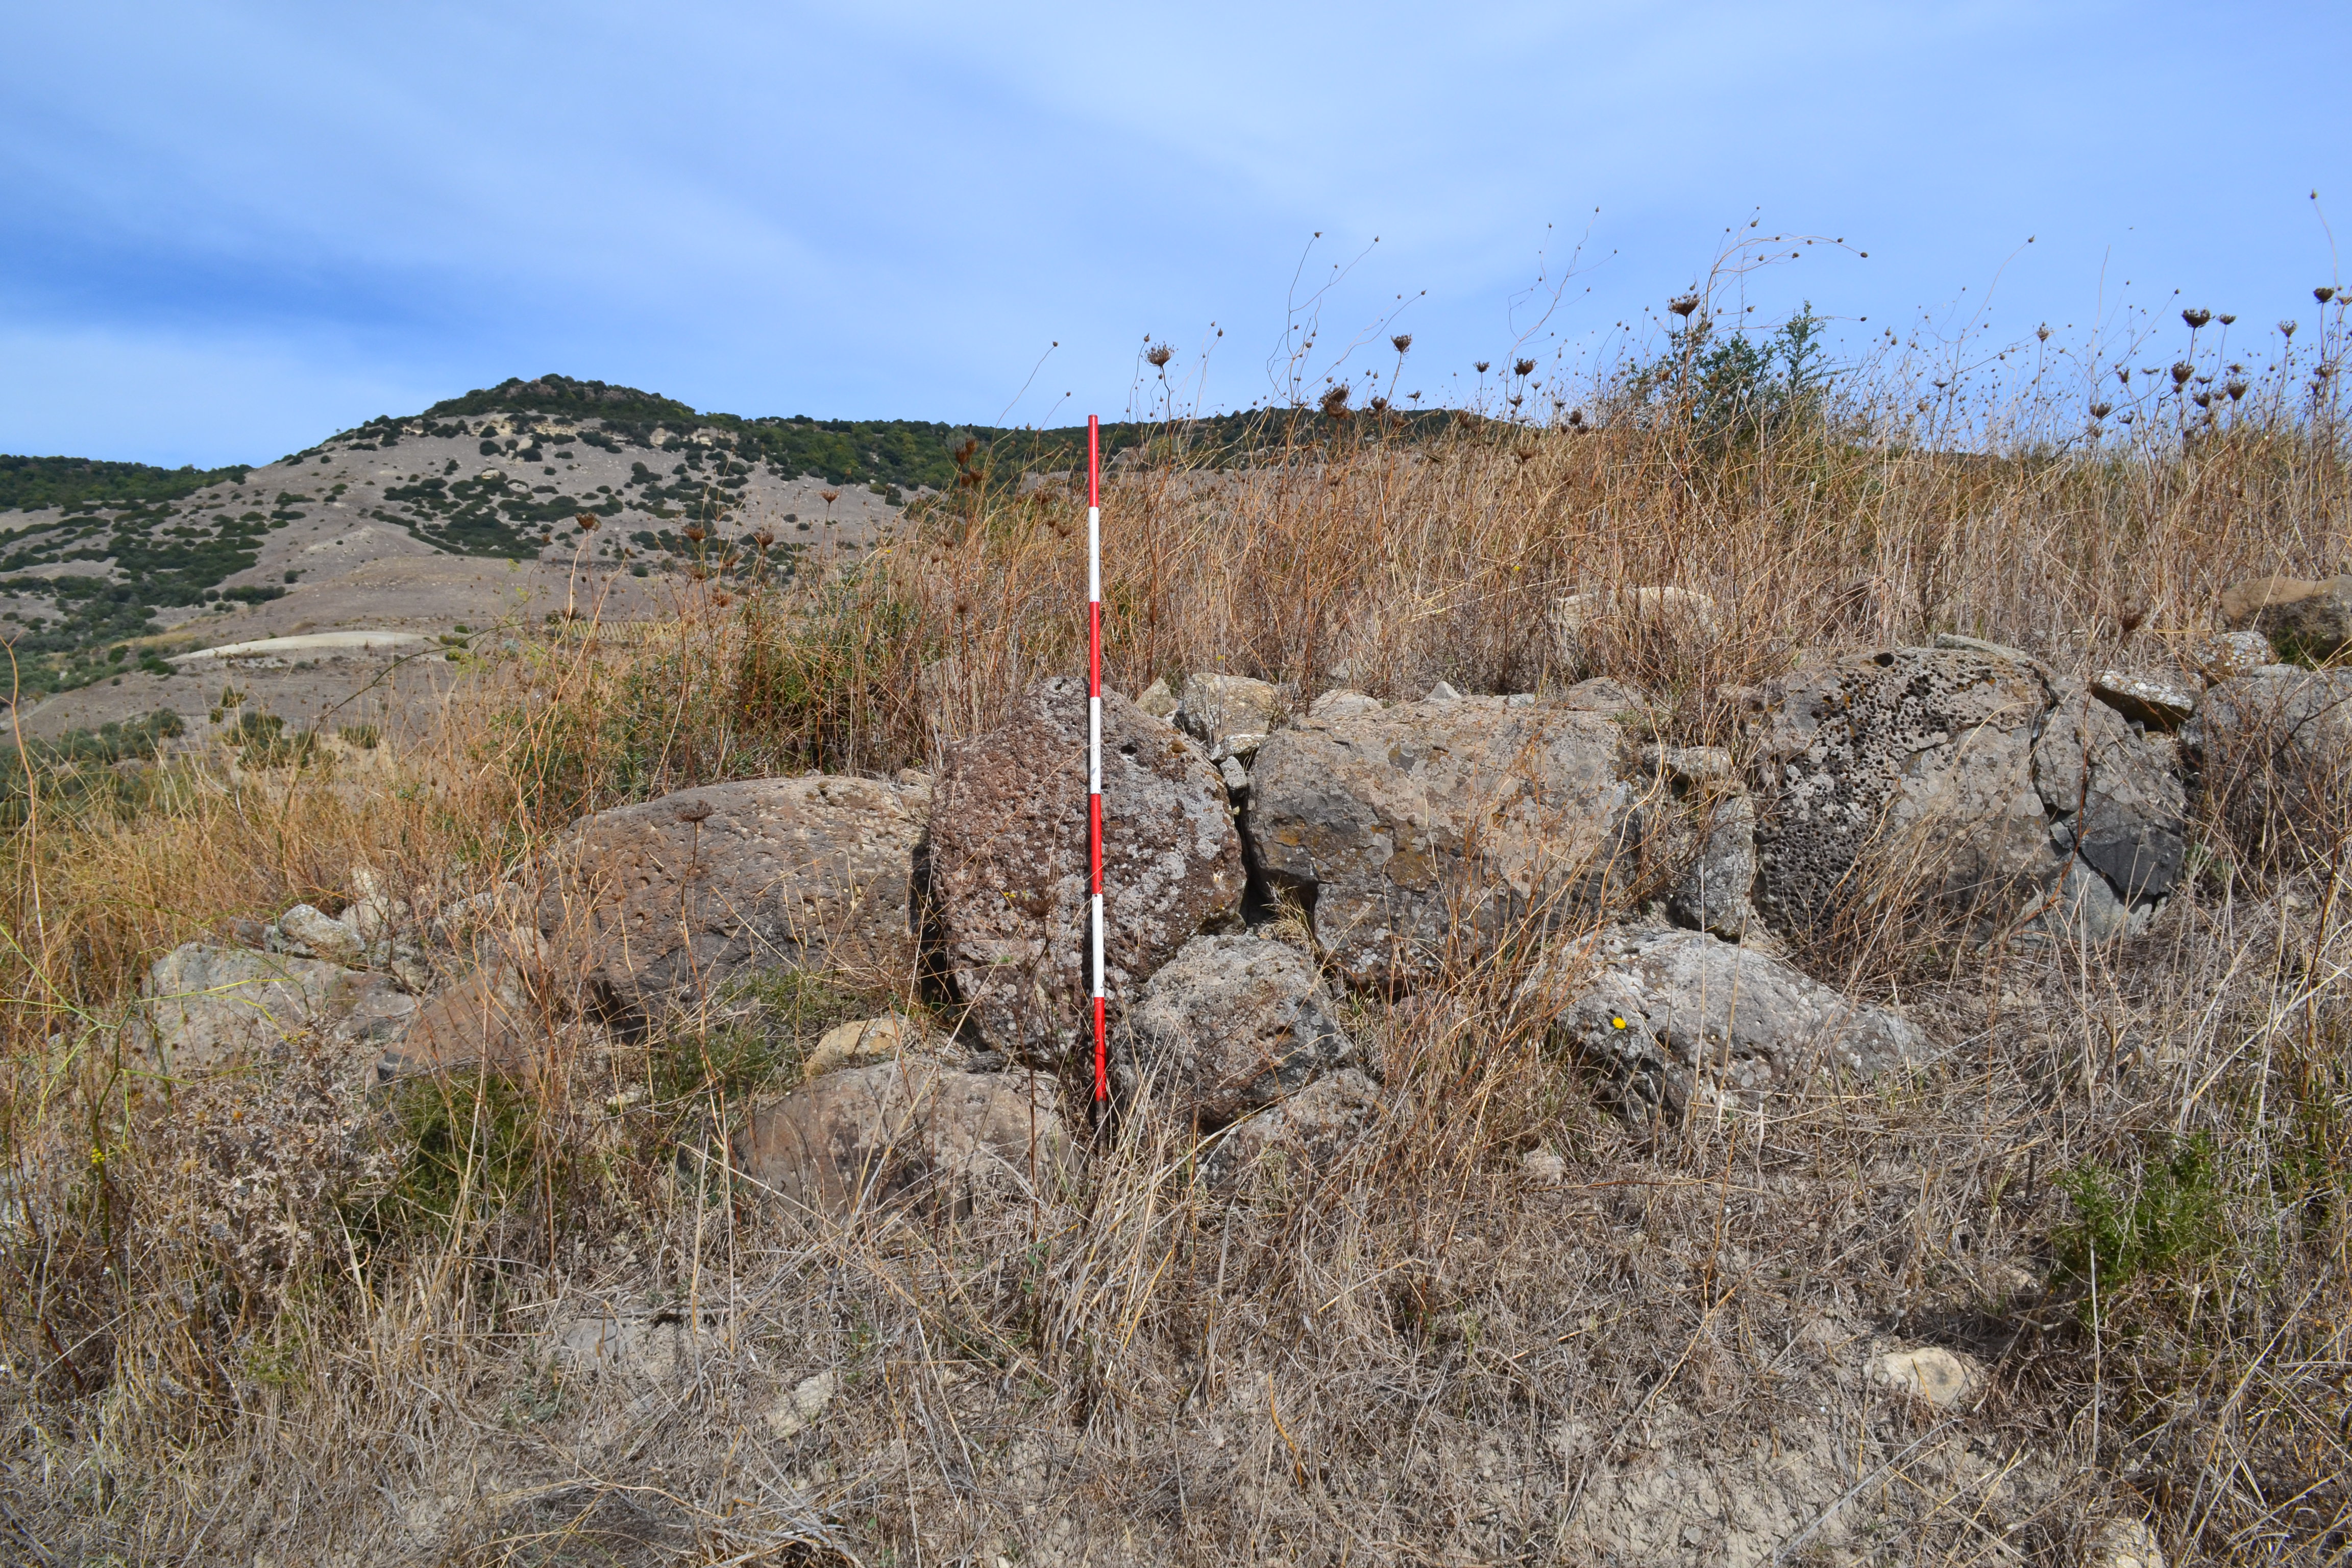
29	484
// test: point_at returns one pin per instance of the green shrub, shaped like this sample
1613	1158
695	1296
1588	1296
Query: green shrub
2167	1220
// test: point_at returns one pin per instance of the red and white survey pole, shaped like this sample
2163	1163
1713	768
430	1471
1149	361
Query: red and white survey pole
1094	741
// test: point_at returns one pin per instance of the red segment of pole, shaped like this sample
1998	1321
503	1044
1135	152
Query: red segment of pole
1093	744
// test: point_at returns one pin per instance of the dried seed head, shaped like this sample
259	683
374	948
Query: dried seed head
2323	294
1522	367
1159	355
2123	373
2236	389
2226	318
2287	329
722	597
1379	405
829	497
2181	371
2196	319
2043	331
2203	400
1576	416
2101	410
693	532
1402	342
1482	366
1683	305
587	521
1335	402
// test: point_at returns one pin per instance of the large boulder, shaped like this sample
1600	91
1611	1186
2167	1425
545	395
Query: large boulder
1230	1024
668	898
650	907
910	1131
1969	777
2276	750
205	1008
1912	750
1005	880
1438	827
1667	1012
2303	619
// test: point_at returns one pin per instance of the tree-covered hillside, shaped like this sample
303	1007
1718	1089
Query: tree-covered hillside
29	484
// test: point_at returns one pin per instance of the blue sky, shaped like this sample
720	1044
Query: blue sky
227	229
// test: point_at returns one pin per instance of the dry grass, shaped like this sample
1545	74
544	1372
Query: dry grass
278	1322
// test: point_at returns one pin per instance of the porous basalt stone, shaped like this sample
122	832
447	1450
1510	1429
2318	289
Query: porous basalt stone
2225	654
2159	704
1005	879
1698	812
1431	828
1579	620
1229	715
1297	1136
1713	894
1974	779
310	932
1923	757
